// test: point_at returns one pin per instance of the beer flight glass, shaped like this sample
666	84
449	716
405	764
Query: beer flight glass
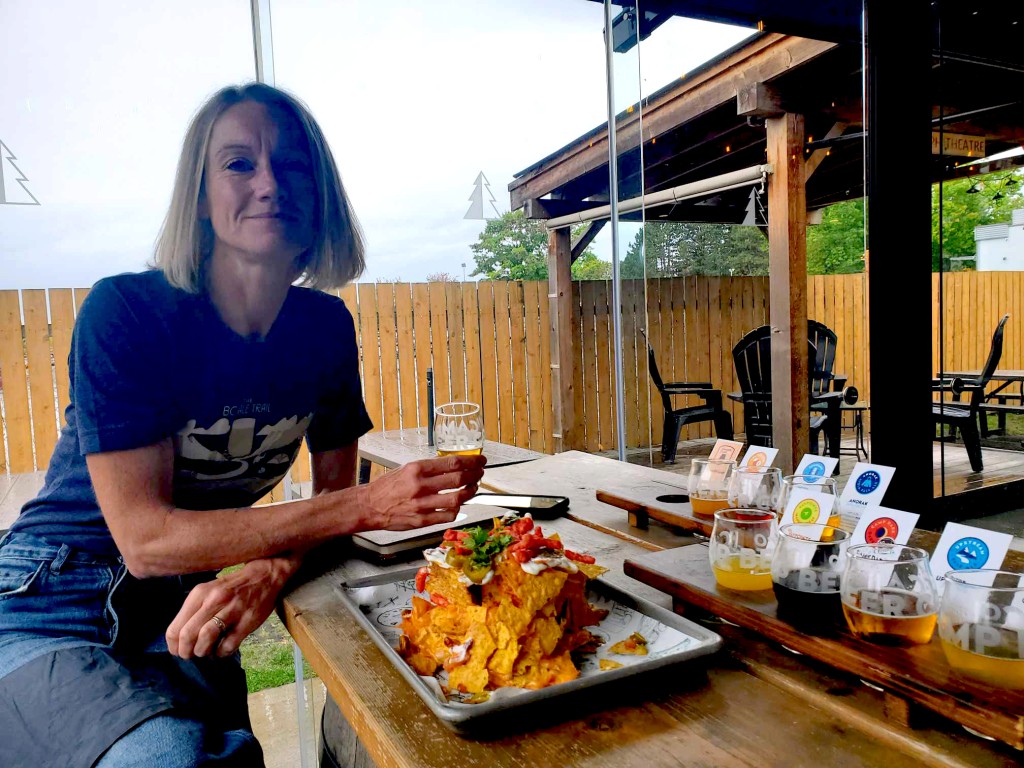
981	626
888	594
756	488
708	485
811	512
807	574
458	429
741	548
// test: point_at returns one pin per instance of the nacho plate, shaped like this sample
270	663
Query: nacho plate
377	603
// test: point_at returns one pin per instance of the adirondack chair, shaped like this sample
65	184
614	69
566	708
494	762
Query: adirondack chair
965	416
710	409
752	357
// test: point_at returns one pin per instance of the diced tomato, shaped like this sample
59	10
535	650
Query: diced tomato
521	526
421	578
461	550
629	644
450	535
552	544
522	556
538	532
439	600
589	559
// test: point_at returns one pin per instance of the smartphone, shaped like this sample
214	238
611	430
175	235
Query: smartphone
539	507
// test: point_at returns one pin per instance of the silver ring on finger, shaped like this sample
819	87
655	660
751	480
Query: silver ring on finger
220	623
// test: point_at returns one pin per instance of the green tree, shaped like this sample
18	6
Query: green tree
589	267
672	249
962	210
836	245
514	247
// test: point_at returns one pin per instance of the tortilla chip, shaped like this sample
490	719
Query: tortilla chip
609	664
634	645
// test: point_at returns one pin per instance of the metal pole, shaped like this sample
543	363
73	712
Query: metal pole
262	41
430	406
613	190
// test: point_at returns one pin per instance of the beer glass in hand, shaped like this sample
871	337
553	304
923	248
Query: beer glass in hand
807	570
741	548
709	485
981	626
458	429
889	595
756	488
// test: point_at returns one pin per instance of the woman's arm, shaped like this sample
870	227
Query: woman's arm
156	538
244	599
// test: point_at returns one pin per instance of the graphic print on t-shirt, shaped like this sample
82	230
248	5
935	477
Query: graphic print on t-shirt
237	453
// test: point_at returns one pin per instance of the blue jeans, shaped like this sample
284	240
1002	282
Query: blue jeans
85	671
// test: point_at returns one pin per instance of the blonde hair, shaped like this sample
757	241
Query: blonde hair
336	257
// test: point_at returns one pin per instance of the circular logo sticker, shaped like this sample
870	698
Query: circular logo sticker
968	552
807	511
757	460
868	482
815	468
882	528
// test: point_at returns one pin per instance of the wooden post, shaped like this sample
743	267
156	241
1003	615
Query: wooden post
563	422
787	269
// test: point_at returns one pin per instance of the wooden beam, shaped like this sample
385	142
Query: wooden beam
587	238
767	58
552	209
563	421
812	162
758	100
787	270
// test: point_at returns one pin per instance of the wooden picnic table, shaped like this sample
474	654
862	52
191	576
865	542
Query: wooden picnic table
753	704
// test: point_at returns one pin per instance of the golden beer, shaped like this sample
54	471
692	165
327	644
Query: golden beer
706	506
1000	665
731	573
890	616
459	451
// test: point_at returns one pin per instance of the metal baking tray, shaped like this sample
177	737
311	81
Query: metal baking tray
377	603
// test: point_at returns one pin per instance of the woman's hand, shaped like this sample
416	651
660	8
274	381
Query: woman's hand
241	601
411	497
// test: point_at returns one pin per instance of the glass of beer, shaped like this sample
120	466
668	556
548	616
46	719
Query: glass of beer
807	573
981	626
756	488
811	513
709	485
889	595
458	429
741	548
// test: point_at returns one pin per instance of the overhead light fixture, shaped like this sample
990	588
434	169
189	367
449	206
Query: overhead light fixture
997	196
973	190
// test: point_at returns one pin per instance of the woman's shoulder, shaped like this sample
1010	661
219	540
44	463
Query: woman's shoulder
136	295
325	305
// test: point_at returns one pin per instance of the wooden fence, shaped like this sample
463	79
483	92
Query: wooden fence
489	342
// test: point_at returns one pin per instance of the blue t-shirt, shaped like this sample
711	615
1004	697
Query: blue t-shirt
149	361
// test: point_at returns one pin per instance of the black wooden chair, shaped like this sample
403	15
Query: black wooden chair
965	417
710	409
752	356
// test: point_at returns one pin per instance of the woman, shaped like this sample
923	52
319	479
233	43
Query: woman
192	386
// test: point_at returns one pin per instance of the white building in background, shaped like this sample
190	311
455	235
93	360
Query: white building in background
1000	247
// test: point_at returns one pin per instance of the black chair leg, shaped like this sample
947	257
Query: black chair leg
723	425
972	442
670	438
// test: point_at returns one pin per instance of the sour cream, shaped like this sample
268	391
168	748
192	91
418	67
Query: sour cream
545	561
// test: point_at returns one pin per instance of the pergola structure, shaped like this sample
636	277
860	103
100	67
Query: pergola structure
793	98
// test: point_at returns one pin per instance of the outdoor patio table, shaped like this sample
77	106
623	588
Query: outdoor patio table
397	447
751	705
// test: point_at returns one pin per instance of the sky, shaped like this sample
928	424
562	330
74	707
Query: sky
416	99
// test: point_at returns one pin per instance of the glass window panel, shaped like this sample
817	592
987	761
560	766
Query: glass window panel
95	99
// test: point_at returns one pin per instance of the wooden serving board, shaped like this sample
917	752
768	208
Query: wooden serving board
911	677
660	502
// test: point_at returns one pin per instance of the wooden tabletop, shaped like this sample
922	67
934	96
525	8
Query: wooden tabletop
751	705
397	447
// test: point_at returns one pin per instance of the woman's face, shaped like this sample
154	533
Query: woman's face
259	187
